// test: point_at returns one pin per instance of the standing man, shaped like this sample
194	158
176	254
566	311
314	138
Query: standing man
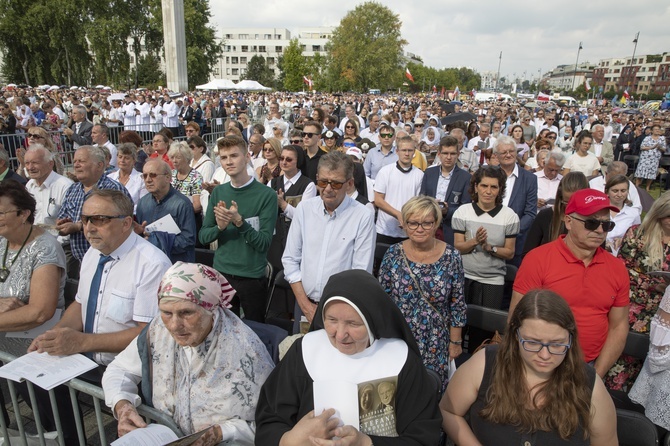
601	148
372	132
311	136
89	168
384	153
593	282
448	184
129	114
163	199
143	117
329	233
520	191
170	112
394	186
241	216
548	179
256	142
79	134
100	137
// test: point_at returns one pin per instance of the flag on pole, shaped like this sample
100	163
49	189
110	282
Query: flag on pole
587	84
408	75
625	96
307	81
543	97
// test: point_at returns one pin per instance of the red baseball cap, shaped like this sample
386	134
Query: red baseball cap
588	202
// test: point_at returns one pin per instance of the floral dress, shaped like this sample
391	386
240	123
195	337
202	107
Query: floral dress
189	186
644	301
647	167
442	283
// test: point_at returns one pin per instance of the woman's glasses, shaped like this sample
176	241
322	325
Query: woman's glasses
35	136
427	225
536	346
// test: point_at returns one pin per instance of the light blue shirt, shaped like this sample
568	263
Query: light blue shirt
320	245
375	160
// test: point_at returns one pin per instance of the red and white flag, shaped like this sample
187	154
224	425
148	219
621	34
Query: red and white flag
626	95
587	84
308	81
543	97
408	75
434	88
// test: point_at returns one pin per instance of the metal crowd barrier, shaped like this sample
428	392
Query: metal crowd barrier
76	386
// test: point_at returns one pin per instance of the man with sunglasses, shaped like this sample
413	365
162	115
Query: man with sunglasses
329	234
311	137
593	282
383	154
163	200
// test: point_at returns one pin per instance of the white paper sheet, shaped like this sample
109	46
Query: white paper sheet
45	370
164	224
338	395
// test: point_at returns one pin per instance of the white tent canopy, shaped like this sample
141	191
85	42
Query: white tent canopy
217	84
249	85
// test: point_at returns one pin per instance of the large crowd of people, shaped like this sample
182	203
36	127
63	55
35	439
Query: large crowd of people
386	215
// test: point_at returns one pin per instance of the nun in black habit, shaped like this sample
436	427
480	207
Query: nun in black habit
358	336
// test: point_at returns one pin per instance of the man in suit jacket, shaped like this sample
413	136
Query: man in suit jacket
520	191
447	183
79	133
600	148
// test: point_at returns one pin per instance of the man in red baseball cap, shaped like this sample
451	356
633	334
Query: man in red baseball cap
593	282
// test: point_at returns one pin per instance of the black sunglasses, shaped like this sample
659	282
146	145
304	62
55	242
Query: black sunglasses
591	224
308	134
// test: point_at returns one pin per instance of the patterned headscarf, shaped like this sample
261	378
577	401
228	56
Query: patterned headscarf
197	283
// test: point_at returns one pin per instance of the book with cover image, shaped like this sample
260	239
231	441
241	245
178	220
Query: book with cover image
368	406
294	200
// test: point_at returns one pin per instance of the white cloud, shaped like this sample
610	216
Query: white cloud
531	34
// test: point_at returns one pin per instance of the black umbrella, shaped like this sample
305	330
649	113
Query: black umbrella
462	116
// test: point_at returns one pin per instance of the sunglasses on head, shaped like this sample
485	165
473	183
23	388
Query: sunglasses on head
288	159
336	185
591	224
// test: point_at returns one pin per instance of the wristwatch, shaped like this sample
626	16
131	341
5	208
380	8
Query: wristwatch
493	250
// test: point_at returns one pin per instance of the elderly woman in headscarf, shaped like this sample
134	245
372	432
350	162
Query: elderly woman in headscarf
430	142
198	362
358	337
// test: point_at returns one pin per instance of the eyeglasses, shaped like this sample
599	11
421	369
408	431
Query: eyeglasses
591	224
192	146
295	141
288	159
419	125
308	134
536	346
551	137
349	127
336	185
268	149
386	135
35	136
152	175
3	214
99	220
427	225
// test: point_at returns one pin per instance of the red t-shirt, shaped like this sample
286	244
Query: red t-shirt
590	291
164	158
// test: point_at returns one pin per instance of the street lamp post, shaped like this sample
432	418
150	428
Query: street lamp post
630	68
574	76
498	76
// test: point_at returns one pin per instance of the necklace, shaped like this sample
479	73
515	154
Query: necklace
426	254
4	271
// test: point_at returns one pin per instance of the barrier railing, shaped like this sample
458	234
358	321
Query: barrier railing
75	386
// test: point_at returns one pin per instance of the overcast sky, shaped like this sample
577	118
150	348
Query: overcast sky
531	34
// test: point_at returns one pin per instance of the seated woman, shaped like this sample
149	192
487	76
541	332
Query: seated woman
616	189
652	387
485	232
197	362
32	272
132	180
533	388
358	337
424	277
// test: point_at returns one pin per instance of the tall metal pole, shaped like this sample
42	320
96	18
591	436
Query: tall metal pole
630	68
574	76
498	76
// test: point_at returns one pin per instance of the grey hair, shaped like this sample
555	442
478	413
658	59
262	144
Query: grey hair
180	148
46	153
617	167
559	158
504	140
96	153
81	109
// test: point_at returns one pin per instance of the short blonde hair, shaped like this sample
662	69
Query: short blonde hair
420	207
180	148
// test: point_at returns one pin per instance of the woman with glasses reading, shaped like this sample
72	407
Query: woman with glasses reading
424	277
485	233
533	388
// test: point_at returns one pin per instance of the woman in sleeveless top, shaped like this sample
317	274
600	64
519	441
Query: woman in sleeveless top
532	389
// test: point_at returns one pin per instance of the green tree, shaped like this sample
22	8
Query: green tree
258	70
293	66
148	73
366	49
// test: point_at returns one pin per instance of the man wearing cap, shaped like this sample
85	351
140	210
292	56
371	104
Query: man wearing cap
593	282
383	154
